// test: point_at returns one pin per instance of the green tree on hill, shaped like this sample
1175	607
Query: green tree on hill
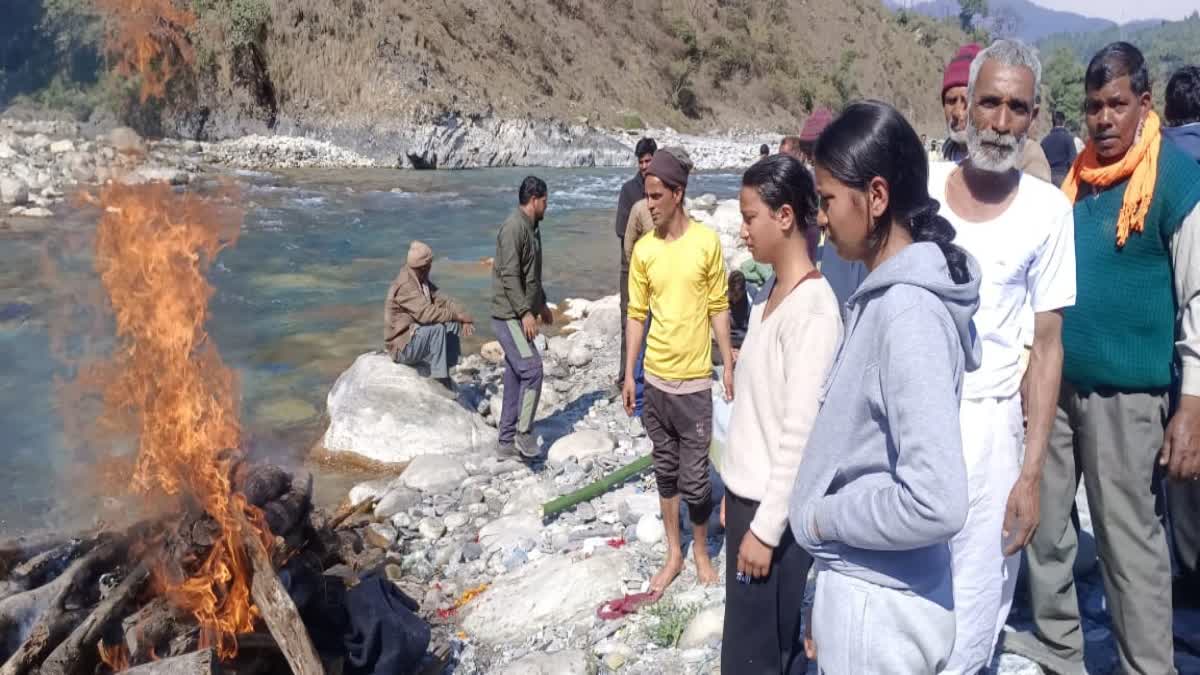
1063	79
968	10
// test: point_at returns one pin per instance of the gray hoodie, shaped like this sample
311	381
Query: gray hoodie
883	479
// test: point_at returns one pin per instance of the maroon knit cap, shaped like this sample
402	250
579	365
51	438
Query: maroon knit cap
671	166
815	124
958	71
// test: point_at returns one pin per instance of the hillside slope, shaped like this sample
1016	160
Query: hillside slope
1020	18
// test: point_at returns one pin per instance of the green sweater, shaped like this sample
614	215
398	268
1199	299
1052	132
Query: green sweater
517	268
1120	335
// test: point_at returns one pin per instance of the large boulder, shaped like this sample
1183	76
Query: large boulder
551	591
388	413
604	317
13	191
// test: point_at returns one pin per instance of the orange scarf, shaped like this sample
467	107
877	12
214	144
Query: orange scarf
1139	165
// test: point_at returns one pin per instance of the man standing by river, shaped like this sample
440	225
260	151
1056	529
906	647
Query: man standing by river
518	302
1021	230
677	273
632	191
422	325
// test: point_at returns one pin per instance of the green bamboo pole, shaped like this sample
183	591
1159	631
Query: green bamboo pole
597	488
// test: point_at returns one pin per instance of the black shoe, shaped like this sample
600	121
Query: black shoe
526	445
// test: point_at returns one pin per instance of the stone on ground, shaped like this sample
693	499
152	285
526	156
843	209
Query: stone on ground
704	628
604	317
580	355
650	529
565	662
492	352
434	473
395	499
372	489
581	445
508	532
388	413
59	147
126	140
13	191
551	591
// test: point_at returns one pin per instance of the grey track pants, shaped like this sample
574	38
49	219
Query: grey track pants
435	346
680	427
522	379
1113	441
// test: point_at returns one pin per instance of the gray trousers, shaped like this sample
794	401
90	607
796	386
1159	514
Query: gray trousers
522	379
864	629
435	346
680	429
1113	440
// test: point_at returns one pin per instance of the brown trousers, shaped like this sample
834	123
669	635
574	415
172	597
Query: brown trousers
680	427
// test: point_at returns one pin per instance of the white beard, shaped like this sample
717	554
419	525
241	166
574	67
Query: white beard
988	157
959	137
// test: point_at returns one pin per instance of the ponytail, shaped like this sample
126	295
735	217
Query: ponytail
927	225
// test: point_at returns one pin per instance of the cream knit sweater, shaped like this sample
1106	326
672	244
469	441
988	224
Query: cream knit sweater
777	383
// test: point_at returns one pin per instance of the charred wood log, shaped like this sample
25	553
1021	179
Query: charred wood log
77	653
203	662
148	631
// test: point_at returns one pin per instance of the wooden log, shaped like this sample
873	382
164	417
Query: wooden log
277	609
148	630
363	506
203	662
76	653
48	606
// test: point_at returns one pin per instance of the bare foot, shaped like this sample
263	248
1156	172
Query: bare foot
670	570
706	574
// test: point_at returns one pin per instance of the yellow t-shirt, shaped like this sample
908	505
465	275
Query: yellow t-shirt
682	284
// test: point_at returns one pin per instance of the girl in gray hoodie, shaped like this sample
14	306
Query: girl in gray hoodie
882	487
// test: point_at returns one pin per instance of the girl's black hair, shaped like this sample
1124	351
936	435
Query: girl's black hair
871	138
783	179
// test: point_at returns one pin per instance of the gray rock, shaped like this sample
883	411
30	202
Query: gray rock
434	473
59	147
6	151
581	445
603	319
650	529
585	512
560	347
126	140
13	191
372	489
472	551
514	559
509	531
472	495
704	628
565	662
551	591
380	535
402	521
492	352
388	413
397	498
580	355
431	528
456	520
37	212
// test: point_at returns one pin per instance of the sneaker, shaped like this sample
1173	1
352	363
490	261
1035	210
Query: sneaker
1028	645
526	444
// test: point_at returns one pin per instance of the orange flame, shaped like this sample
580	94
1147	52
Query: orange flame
170	387
149	39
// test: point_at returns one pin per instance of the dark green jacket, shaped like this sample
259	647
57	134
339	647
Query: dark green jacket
517	269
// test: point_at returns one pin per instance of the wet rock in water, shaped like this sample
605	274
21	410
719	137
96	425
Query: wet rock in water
510	532
397	498
580	355
434	473
565	662
704	628
380	535
650	529
492	352
581	445
372	489
388	413
13	191
431	528
551	591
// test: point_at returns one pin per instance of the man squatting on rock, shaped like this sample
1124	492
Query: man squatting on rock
518	301
1021	231
677	273
421	325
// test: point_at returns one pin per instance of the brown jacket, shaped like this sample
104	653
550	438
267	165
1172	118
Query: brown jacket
640	222
407	307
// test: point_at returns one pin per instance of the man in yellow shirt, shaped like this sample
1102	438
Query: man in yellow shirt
677	274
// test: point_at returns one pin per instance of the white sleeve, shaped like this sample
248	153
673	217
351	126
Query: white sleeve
1185	256
1051	275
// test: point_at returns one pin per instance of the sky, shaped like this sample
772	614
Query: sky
1123	11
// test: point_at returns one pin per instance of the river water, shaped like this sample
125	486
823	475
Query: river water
297	299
